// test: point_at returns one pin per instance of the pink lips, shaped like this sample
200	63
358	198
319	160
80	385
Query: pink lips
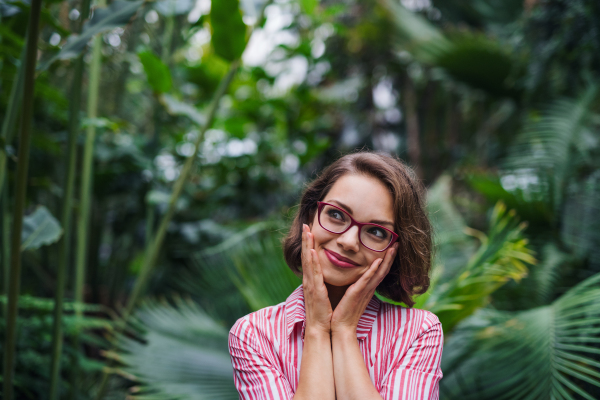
340	261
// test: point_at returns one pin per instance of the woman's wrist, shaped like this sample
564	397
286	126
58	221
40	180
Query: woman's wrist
343	332
317	331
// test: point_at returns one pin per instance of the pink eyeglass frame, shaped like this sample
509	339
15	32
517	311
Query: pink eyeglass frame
352	223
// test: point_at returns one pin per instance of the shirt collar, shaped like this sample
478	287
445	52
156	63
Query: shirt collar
294	314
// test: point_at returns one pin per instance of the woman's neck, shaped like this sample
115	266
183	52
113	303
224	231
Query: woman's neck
335	294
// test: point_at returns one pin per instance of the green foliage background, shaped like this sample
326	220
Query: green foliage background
200	123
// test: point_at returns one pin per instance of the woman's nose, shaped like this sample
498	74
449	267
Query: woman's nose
349	239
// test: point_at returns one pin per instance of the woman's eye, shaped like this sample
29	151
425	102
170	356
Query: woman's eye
378	232
336	215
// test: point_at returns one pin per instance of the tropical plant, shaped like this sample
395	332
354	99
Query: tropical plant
33	344
502	256
549	351
541	353
181	353
20	197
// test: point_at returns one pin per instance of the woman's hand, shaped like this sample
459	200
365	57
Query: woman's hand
316	300
348	312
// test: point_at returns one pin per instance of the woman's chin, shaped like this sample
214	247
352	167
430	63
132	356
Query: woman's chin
337	278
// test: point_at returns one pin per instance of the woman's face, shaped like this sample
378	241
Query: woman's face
366	199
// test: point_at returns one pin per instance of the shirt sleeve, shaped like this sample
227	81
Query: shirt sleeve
256	377
416	375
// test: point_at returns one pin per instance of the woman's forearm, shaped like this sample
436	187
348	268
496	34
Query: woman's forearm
316	368
352	380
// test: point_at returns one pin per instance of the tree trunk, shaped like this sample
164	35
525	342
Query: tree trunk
409	97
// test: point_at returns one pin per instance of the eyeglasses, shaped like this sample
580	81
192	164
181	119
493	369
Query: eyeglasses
335	220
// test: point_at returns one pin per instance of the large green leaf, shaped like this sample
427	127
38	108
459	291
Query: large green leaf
39	228
158	74
532	206
184	354
228	29
548	352
472	58
482	63
117	14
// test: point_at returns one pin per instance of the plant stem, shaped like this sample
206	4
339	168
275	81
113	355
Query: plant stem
86	190
6	137
5	244
412	125
12	113
153	250
154	244
20	199
64	250
87	167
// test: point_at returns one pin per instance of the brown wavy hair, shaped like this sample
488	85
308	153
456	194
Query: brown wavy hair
409	273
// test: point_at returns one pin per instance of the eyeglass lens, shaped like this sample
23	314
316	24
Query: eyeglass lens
335	220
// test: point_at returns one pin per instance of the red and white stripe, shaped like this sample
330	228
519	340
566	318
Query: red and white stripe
402	349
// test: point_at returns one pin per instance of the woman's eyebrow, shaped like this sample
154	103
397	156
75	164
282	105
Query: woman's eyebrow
379	222
374	221
339	203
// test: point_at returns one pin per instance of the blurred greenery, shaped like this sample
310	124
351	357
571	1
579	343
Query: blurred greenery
495	104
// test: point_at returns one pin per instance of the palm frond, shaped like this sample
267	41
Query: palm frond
502	256
183	355
553	145
250	267
542	353
547	273
580	228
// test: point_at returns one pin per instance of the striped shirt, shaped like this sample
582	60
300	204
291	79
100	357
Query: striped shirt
402	349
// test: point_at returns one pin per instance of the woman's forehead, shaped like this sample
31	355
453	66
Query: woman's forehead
364	197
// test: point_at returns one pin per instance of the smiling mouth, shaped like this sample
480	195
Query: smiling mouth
340	261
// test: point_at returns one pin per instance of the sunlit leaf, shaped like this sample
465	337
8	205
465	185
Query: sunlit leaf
158	74
228	29
309	6
178	107
39	228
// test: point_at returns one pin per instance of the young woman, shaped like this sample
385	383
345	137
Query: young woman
361	226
